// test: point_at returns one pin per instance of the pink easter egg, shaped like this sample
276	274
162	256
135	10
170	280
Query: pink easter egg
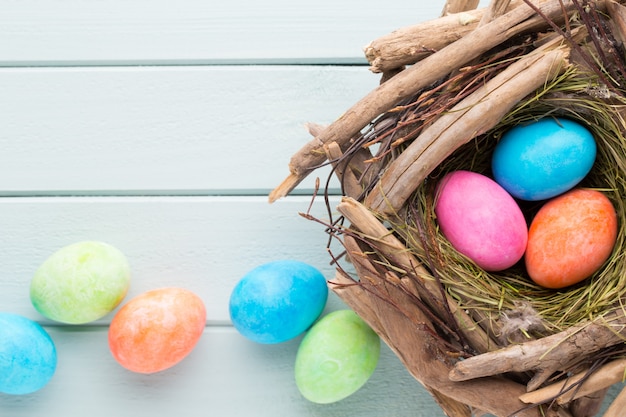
157	329
481	220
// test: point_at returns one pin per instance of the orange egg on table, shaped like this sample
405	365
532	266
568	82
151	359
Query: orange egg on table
157	329
570	238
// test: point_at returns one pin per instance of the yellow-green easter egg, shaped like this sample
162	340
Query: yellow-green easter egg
80	283
336	357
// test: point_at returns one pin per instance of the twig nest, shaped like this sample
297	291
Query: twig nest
432	299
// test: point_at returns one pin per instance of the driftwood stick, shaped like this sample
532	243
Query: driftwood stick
548	354
408	82
360	162
314	129
393	249
617	407
411	44
496	8
589	405
471	117
381	284
349	182
567	391
457	6
618	19
363	167
372	309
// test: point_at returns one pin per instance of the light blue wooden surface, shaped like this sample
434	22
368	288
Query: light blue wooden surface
159	127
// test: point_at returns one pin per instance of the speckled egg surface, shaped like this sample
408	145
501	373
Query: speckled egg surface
157	329
570	237
28	357
278	301
80	283
336	357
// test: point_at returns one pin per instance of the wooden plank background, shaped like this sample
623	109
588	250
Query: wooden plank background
156	32
159	127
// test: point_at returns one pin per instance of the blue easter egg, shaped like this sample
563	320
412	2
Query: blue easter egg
543	159
28	357
278	301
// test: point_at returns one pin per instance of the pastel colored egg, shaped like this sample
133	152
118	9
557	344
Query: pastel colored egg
28	357
80	283
481	220
157	329
570	238
278	301
543	159
336	357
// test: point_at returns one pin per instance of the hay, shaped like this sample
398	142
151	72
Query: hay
493	293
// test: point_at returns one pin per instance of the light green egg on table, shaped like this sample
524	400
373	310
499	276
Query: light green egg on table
336	357
80	283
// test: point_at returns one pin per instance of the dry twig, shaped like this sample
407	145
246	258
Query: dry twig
579	385
471	117
457	6
546	355
408	82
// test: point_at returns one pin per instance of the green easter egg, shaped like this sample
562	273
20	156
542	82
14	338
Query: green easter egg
336	357
80	283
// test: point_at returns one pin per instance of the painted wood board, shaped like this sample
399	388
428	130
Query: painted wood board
124	100
225	375
160	32
209	130
204	244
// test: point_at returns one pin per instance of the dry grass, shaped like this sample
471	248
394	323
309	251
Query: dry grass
494	293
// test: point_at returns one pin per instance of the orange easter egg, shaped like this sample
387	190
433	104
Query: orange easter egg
570	238
157	329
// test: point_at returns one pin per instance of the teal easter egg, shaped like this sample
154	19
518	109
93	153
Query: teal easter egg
278	301
80	283
28	357
336	357
542	159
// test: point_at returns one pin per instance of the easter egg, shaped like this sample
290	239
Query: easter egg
80	283
336	357
570	237
157	329
480	220
278	301
28	357
543	159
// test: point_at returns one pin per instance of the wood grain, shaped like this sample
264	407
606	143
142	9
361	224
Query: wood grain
140	32
158	126
225	375
220	130
205	244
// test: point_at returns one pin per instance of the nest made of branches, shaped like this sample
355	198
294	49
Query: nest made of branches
578	95
434	306
494	293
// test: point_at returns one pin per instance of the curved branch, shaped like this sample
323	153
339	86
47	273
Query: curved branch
408	82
